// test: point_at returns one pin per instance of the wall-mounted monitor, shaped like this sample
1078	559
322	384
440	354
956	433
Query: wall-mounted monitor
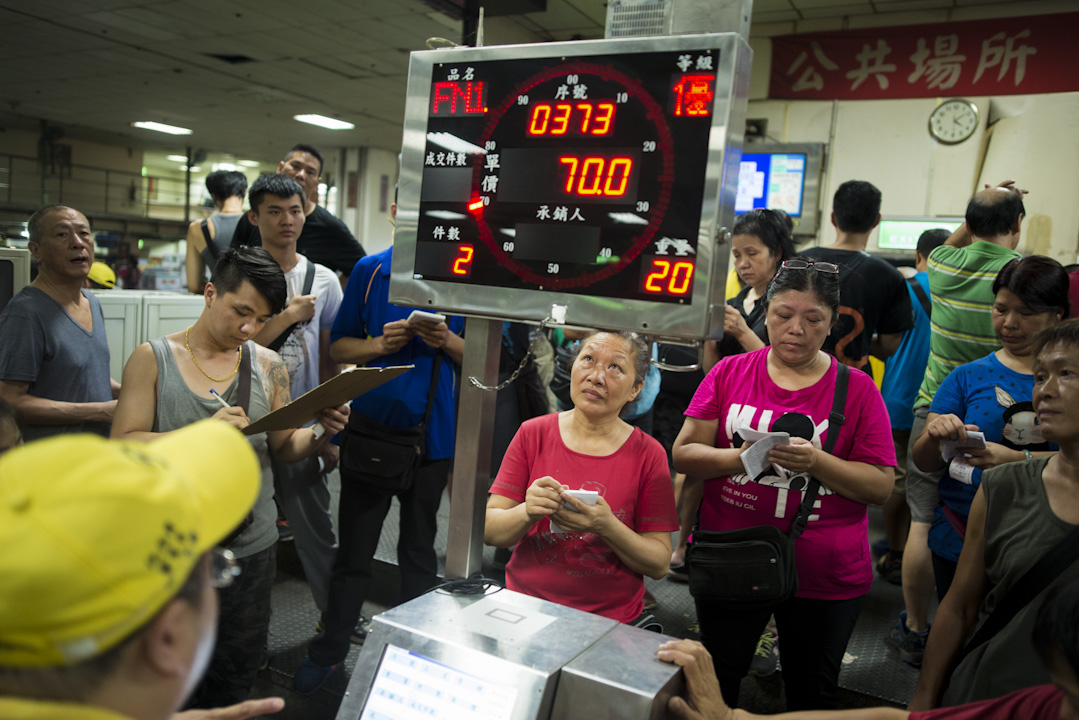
898	236
782	176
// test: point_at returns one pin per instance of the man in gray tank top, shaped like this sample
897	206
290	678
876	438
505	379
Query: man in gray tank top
170	385
54	359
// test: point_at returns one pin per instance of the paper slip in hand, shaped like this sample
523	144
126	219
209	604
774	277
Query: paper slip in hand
755	458
961	470
335	391
950	448
588	497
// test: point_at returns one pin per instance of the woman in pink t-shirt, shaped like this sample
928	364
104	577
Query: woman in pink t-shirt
790	386
593	559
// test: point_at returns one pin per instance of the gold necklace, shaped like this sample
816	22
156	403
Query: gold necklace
211	377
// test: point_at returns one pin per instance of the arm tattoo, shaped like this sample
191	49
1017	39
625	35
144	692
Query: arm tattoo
273	368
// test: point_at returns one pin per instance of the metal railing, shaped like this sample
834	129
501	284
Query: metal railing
26	183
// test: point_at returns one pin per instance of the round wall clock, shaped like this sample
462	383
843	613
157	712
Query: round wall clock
953	121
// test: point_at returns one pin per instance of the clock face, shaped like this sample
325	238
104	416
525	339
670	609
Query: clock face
953	121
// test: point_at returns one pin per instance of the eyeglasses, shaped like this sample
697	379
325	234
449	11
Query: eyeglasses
224	569
805	265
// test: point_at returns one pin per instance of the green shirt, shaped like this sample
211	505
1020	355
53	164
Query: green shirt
961	286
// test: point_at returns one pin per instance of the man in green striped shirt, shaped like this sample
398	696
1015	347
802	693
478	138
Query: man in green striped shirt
961	274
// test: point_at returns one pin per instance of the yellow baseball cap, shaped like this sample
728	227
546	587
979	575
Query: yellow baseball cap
97	535
102	274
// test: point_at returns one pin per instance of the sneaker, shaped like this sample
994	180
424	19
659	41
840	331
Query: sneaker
284	532
309	677
359	633
766	656
911	645
890	567
650	602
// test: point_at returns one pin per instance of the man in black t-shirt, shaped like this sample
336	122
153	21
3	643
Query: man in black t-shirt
325	239
874	304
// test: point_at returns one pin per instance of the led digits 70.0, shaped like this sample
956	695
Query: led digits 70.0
597	177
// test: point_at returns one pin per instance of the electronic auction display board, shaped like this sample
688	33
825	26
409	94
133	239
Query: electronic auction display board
594	175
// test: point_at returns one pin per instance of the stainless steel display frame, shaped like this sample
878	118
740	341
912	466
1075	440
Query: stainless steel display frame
702	317
431	626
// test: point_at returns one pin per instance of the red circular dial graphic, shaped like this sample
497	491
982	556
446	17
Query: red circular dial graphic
599	160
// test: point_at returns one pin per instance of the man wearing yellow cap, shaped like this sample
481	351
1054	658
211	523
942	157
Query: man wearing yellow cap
107	604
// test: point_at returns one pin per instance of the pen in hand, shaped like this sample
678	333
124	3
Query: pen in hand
217	396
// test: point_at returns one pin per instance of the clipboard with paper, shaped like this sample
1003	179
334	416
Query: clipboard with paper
335	391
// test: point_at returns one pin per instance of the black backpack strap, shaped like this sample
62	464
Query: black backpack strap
835	422
1051	566
434	385
243	388
308	283
205	225
308	278
919	292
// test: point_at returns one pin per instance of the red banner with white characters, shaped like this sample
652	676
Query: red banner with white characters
1007	56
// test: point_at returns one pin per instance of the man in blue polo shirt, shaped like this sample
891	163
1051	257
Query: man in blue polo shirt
370	331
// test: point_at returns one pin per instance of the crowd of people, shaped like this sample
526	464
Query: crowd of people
971	447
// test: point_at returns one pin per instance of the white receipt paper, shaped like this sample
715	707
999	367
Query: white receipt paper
959	469
950	448
755	458
588	497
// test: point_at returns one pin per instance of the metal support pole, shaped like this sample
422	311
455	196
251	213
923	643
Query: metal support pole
472	456
187	190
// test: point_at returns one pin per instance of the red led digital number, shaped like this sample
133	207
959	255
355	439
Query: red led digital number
693	95
598	175
469	94
559	119
677	276
463	264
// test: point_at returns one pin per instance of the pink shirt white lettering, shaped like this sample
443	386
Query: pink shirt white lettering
833	552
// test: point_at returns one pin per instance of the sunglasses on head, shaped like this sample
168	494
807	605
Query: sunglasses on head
806	265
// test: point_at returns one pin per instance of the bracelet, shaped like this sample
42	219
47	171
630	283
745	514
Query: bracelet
1030	455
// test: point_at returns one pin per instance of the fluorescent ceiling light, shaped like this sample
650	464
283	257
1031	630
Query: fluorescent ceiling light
454	143
323	121
194	169
248	163
162	127
178	158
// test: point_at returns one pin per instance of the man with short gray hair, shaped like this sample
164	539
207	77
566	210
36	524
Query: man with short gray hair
54	358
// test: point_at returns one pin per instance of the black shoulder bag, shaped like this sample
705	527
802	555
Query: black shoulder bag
381	458
754	567
308	283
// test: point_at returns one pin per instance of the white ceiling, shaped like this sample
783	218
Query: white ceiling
94	66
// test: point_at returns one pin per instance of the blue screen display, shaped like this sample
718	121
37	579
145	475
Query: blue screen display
771	180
